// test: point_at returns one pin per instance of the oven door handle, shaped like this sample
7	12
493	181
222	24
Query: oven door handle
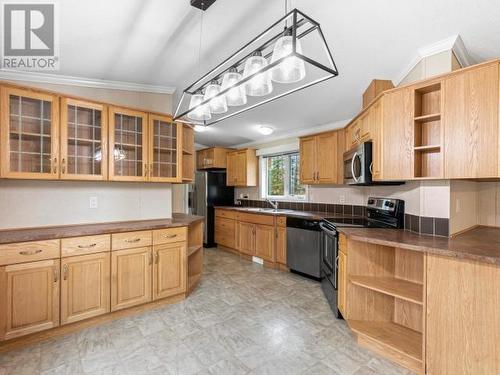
356	179
328	231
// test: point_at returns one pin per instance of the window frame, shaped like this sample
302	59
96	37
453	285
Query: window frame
287	178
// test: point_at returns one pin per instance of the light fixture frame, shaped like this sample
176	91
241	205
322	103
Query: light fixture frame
205	80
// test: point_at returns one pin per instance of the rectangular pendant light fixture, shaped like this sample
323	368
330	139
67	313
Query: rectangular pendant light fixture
289	56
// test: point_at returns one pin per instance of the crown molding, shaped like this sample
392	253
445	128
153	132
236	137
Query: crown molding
454	43
57	79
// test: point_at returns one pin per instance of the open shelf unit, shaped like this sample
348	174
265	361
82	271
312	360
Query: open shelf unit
428	131
188	154
195	255
386	303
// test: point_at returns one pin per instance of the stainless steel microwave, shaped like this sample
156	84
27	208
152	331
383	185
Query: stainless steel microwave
358	165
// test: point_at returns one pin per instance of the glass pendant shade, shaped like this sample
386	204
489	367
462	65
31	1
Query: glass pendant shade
202	113
218	105
237	95
261	84
292	69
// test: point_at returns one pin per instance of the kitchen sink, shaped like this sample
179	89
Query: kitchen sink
268	210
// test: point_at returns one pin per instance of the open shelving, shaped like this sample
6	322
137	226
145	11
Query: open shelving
188	154
428	137
195	255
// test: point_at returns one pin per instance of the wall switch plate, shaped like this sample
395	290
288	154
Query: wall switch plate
342	199
258	260
93	202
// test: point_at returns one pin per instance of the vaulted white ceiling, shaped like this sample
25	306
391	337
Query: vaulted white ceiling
156	42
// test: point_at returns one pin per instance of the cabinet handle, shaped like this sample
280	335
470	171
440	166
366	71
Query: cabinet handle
170	235
135	240
371	168
30	252
65	272
54	166
317	176
63	166
157	257
150	258
145	170
56	275
151	170
87	246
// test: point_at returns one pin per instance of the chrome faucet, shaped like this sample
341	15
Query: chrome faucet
274	204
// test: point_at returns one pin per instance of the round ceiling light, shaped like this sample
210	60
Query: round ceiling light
200	128
265	130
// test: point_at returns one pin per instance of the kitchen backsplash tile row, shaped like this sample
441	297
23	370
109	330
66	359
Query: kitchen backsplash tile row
417	224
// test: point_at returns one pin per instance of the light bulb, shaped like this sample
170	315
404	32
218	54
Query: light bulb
218	105
292	69
237	95
200	128
201	113
261	84
265	130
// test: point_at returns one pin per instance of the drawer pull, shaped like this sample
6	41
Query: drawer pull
30	252
135	240
65	272
169	235
87	246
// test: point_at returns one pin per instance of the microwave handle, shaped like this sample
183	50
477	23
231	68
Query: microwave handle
352	167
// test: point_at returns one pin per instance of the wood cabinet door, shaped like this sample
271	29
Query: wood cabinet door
241	168
29	298
470	117
170	270
308	160
246	242
85	287
326	160
264	242
342	287
84	140
281	245
165	155
225	232
128	145
200	159
130	277
376	136
397	140
29	134
231	169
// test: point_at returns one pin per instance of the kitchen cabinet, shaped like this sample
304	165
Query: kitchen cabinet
188	154
225	230
242	168
128	145
131	271
397	140
376	118
246	239
164	146
376	87
342	286
85	287
29	298
169	271
29	133
359	131
214	157
320	158
471	101
264	242
281	240
84	140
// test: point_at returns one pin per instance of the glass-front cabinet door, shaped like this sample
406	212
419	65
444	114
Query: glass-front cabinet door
128	142
84	137
165	150
29	134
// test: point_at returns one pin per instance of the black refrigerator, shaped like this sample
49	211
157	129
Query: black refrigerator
209	190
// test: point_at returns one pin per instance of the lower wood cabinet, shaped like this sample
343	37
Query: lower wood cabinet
169	271
131	272
342	286
264	242
281	245
246	239
225	232
29	298
85	287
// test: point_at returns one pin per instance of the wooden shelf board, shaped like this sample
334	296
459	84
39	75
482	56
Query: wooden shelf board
29	135
428	118
428	148
399	288
194	249
186	152
397	337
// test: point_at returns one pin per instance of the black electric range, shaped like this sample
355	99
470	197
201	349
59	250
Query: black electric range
380	213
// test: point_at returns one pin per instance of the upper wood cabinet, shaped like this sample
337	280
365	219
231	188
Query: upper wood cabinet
320	158
29	298
29	134
397	140
375	123
128	145
84	140
470	118
169	271
165	145
214	157
242	168
377	86
188	154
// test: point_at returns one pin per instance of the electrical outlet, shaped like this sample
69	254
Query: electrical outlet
93	202
342	199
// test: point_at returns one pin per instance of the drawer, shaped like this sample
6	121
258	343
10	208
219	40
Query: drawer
85	245
229	214
256	219
29	251
225	239
223	224
281	221
169	235
130	240
343	243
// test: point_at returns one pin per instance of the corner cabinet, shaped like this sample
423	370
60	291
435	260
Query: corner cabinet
29	134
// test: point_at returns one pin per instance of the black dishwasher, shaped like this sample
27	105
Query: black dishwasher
303	242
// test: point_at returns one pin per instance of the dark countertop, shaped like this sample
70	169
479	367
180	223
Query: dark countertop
313	215
480	244
65	231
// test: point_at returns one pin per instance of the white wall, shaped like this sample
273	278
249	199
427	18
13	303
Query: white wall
42	203
440	63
